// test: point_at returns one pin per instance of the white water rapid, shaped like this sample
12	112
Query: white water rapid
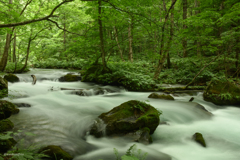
57	117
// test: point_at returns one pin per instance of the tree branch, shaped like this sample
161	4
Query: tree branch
63	28
35	20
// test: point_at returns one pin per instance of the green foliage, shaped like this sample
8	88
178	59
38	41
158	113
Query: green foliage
55	63
11	67
21	152
131	154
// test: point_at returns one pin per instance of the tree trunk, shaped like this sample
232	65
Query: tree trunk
119	47
26	59
14	47
130	38
101	34
4	59
197	42
237	53
163	55
184	42
171	36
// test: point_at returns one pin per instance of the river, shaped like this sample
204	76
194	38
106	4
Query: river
57	117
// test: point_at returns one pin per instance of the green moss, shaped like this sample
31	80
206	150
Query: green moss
222	93
55	153
199	139
7	109
70	78
11	78
128	117
161	96
6	125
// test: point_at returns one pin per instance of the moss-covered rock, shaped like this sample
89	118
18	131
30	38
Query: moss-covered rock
3	87
199	139
11	78
70	78
222	93
6	125
55	153
125	118
7	109
6	144
161	96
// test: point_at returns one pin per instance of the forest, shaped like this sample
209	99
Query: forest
161	46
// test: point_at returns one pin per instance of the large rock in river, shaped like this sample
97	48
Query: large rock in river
161	96
11	78
70	78
3	87
222	93
126	118
7	109
55	153
6	125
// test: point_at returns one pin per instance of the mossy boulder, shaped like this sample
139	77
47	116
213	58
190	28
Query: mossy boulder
7	109
199	139
6	125
126	118
222	93
3	87
11	78
161	96
55	153
70	78
6	144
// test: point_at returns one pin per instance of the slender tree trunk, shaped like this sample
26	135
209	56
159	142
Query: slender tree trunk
197	42
171	36
119	47
26	59
184	42
237	53
10	54
101	34
130	38
163	55
14	47
4	59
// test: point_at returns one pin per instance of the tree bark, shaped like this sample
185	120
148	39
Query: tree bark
184	42
103	54
119	47
130	39
26	59
171	36
14	47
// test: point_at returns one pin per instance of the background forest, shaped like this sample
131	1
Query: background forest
142	42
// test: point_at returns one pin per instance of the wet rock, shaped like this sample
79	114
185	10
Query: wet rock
127	117
11	78
6	144
95	91
22	104
7	109
70	78
199	139
6	125
222	93
3	87
142	136
55	153
161	96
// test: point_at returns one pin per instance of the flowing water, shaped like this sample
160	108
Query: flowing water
58	117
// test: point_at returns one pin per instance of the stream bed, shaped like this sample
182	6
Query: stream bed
59	117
